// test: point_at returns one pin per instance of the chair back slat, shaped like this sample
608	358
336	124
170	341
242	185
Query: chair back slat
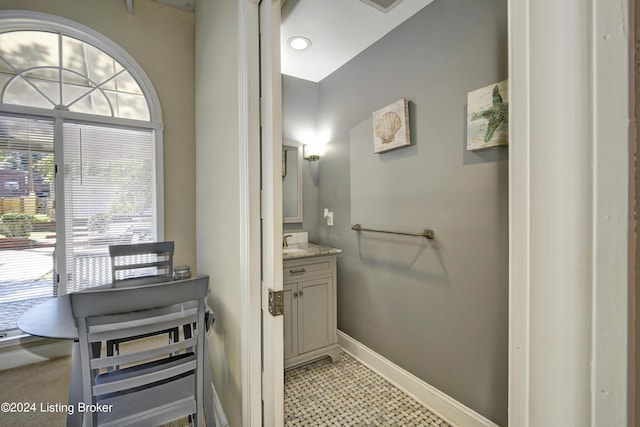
124	359
162	264
118	329
141	248
96	321
136	381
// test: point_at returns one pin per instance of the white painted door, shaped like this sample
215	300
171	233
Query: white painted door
271	208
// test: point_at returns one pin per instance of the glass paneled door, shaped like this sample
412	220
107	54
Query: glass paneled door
27	216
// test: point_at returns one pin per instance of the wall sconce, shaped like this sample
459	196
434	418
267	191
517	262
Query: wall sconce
312	152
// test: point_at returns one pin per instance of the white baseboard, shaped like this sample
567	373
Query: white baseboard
32	352
447	408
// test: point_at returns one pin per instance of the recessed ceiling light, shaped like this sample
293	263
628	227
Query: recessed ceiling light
299	43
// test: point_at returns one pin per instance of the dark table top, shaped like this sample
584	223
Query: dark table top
52	319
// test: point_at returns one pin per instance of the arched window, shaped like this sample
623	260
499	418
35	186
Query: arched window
80	157
53	70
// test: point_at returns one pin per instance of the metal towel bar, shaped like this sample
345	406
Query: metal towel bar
427	234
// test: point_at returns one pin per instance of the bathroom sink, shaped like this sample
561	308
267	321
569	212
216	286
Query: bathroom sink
292	250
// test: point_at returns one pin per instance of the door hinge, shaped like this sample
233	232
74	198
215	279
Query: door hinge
276	302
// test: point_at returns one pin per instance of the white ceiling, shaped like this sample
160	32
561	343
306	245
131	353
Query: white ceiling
338	30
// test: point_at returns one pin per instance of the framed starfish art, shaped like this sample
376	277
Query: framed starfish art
488	116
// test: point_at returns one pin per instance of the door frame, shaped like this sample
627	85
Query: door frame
250	256
607	275
569	308
260	112
271	208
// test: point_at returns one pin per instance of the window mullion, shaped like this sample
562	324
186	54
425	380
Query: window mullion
61	248
87	70
60	60
20	75
98	87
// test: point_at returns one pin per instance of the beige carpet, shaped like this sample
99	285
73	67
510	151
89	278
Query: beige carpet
40	383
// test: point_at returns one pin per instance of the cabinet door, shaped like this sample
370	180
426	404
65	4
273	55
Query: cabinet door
290	319
314	313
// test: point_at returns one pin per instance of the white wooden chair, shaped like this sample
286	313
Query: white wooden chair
153	388
141	264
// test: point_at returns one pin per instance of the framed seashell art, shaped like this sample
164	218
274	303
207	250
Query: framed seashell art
488	116
391	127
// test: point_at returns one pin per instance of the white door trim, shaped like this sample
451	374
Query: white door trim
249	157
569	212
271	206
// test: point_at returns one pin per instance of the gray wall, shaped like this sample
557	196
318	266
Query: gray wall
438	309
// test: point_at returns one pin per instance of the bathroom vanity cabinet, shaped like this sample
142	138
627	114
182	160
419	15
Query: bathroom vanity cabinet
310	319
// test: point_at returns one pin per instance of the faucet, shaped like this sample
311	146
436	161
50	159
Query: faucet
285	243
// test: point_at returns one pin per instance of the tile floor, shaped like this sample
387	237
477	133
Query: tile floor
347	393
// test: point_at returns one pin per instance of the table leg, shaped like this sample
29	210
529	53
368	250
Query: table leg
75	386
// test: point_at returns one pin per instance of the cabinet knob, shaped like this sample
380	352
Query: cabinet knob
300	293
295	295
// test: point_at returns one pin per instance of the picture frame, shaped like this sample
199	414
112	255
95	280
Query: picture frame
488	116
391	127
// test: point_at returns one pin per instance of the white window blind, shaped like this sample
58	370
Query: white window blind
27	215
109	197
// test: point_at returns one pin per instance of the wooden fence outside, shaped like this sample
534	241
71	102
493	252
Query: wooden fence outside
23	204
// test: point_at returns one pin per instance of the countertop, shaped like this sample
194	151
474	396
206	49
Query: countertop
302	250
